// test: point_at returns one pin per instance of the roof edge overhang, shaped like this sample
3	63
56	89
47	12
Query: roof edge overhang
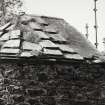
40	61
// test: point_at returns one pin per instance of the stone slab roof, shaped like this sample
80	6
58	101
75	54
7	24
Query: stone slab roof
42	37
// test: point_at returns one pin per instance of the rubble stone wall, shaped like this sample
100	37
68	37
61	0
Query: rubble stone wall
52	84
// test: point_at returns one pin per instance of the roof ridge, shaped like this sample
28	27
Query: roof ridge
51	17
45	16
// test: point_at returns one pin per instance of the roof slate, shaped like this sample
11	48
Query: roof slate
5	37
73	56
11	44
7	51
47	44
50	29
35	26
31	46
41	34
26	54
65	48
57	38
52	52
40	20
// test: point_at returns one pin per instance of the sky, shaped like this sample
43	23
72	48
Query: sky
77	13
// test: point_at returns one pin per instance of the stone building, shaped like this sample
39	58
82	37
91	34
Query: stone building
43	62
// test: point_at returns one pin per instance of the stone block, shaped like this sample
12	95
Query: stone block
2	101
48	100
35	92
18	98
33	101
23	103
43	77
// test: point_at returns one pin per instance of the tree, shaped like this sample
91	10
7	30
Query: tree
8	9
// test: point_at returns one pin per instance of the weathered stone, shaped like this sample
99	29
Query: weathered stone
33	101
6	81
48	101
51	92
23	104
18	98
2	101
35	92
42	77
